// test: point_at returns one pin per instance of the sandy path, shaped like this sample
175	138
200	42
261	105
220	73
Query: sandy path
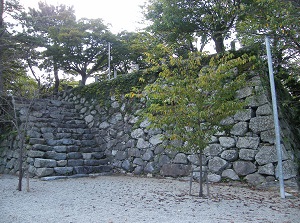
114	199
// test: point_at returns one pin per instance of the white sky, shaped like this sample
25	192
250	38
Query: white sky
121	14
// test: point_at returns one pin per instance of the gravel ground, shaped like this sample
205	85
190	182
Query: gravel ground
117	199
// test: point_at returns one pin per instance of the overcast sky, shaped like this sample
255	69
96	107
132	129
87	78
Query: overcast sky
121	14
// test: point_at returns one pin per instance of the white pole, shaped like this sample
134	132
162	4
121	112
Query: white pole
276	122
109	61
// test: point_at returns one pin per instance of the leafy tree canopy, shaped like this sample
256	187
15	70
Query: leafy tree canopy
176	19
189	99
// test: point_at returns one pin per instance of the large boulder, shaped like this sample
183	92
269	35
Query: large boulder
175	170
243	168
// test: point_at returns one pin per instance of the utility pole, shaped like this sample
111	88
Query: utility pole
276	122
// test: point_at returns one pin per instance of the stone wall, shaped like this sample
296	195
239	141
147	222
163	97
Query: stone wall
123	143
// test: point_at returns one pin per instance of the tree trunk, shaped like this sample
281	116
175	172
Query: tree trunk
20	169
219	42
200	177
83	79
56	84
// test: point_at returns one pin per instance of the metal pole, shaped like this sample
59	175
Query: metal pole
109	61
276	122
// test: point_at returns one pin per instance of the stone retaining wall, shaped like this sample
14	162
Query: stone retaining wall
247	151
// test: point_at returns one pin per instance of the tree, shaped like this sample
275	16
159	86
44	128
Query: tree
44	24
84	47
208	19
10	52
127	49
276	19
200	95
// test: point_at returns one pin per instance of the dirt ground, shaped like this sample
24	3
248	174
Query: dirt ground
114	199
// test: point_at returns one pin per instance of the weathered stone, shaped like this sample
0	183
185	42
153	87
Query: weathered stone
154	131
46	129
289	170
95	155
134	152
258	100
164	159
156	139
84	169
247	154
213	150
267	169
229	155
33	141
145	123
261	123
268	136
48	135
56	156
142	144
239	129
216	165
245	92
60	149
86	156
115	118
230	174
39	163
227	142
227	121
243	168
130	143
137	133
91	162
67	141
176	143
34	134
120	146
41	147
148	155
75	163
115	104
139	161
255	179
180	158
63	170
268	154
194	159
72	148
244	115
89	118
42	172
175	170
35	154
126	165
264	110
121	155
247	142
10	164
111	143
61	163
138	170
104	125
149	168
215	178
